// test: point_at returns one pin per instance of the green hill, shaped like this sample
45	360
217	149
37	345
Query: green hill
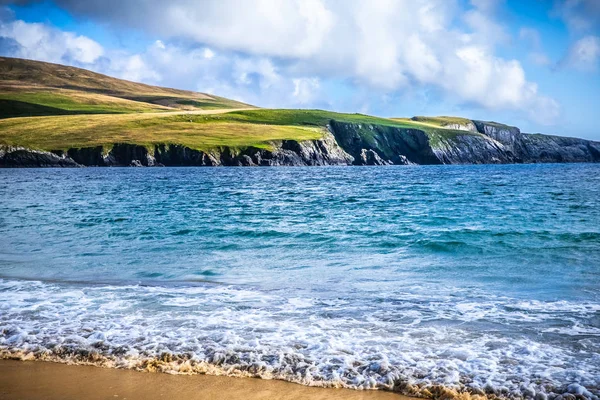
34	88
48	106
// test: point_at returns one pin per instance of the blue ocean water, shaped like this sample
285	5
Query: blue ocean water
480	278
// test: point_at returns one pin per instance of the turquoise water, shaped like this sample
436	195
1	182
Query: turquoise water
484	278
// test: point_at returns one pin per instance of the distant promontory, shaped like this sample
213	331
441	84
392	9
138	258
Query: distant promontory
58	116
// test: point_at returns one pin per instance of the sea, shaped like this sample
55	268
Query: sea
481	279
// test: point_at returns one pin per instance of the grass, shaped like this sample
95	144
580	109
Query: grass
198	131
41	102
304	117
29	88
439	136
61	132
36	101
434	122
203	105
442	121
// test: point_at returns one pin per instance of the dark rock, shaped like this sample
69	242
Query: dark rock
402	160
510	136
90	156
122	154
370	157
19	157
545	148
177	155
472	149
390	143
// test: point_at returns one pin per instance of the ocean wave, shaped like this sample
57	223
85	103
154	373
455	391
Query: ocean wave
416	343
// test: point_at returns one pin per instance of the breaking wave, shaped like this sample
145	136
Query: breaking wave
415	343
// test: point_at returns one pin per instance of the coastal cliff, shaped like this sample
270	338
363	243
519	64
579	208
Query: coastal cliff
324	151
474	142
342	143
59	116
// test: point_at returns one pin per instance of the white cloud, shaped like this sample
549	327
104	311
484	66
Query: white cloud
481	19
584	54
292	28
45	43
262	68
133	68
306	89
82	49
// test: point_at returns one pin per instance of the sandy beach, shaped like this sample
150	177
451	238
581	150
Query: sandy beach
29	380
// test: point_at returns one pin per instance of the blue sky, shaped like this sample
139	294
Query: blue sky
533	64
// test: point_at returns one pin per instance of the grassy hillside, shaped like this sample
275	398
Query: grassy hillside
51	107
33	88
36	102
195	130
434	122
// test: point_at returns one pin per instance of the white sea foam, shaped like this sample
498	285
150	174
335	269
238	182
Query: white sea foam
409	344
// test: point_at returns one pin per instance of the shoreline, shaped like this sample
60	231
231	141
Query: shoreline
29	380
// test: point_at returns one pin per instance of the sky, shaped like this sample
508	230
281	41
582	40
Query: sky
530	63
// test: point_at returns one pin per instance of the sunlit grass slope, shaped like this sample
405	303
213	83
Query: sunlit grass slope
33	88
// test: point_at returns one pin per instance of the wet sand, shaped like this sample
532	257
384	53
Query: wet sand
28	380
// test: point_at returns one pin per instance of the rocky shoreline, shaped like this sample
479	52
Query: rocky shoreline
343	143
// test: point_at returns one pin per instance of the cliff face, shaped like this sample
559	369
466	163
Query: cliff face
542	148
528	148
383	145
510	136
16	156
469	127
324	151
342	144
472	149
478	142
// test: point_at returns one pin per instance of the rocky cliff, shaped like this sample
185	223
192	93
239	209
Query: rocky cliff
537	148
544	148
472	149
343	143
372	144
16	156
324	151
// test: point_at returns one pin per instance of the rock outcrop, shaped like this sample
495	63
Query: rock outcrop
324	151
16	156
538	148
370	157
509	136
380	144
472	149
